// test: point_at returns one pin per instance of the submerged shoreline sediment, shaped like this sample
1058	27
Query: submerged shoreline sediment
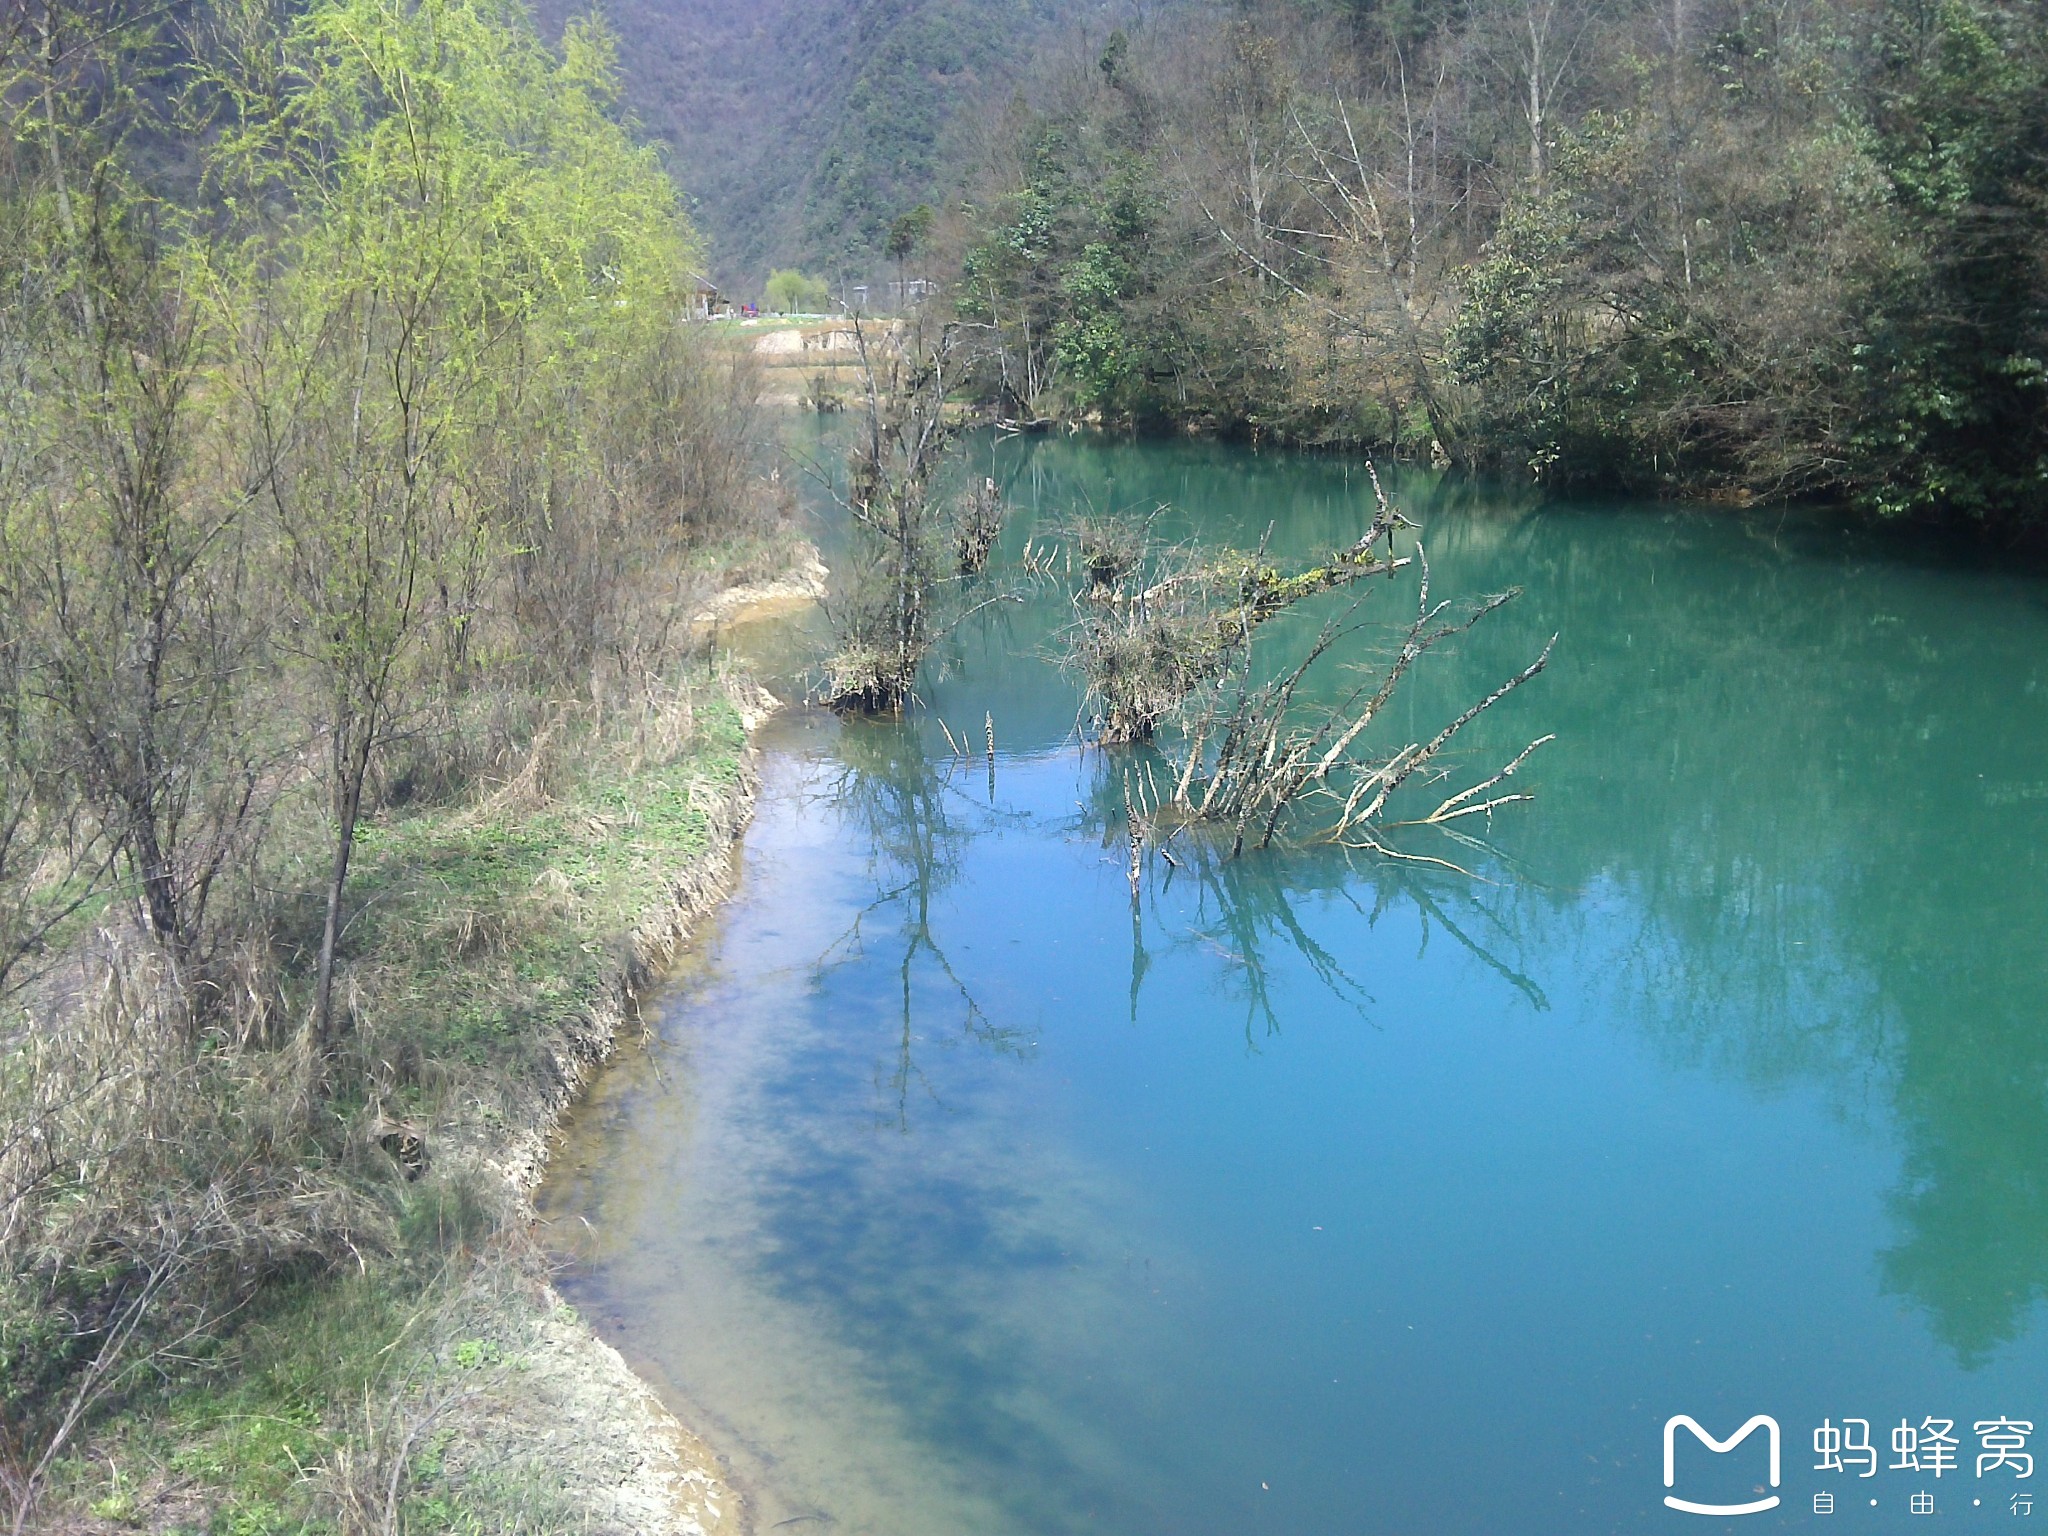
652	1472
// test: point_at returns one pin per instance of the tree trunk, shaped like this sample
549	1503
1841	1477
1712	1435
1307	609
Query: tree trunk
159	888
354	766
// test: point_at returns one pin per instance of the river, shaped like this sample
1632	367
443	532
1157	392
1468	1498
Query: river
1323	1194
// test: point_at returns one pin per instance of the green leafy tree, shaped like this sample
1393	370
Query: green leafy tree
1951	373
470	235
123	551
907	237
785	290
791	292
910	231
1068	270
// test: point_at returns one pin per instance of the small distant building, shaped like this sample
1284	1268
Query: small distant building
706	302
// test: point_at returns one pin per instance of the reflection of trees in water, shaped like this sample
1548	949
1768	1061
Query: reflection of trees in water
1311	500
927	1265
912	817
1959	957
918	1249
1817	822
1243	910
1914	997
1768	732
1248	908
1808	761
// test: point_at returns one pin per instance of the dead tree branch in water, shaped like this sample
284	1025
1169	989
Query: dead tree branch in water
1143	652
1247	758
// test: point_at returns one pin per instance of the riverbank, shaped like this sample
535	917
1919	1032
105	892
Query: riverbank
593	1428
439	1382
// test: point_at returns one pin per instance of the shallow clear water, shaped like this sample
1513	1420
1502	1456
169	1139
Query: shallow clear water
1344	1196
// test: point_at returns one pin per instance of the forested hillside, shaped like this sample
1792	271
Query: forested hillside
1742	247
1760	247
801	128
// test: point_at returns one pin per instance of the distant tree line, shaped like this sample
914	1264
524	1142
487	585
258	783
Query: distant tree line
1744	247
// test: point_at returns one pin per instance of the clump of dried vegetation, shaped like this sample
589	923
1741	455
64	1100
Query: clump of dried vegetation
981	525
1112	547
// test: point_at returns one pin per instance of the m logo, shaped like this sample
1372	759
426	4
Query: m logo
1762	1420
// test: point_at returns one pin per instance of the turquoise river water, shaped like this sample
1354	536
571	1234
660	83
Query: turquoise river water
1328	1195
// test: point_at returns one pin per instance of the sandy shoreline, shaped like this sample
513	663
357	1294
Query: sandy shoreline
802	585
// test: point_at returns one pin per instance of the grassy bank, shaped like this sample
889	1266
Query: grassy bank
420	1375
362	484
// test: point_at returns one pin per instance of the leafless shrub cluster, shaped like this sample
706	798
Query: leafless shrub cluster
894	603
1111	546
981	524
606	566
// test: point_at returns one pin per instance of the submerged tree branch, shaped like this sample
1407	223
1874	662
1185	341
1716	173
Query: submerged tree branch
1165	646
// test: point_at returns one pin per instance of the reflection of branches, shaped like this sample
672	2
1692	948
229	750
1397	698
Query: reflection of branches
1247	910
1429	907
899	803
1252	907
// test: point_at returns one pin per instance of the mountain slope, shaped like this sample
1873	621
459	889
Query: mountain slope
801	128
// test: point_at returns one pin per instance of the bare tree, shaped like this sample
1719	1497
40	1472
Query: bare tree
1535	44
1362	241
888	615
52	857
1385	219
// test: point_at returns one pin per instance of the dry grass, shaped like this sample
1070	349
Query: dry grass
146	1191
234	1270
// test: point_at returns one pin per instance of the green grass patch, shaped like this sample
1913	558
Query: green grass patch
477	929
